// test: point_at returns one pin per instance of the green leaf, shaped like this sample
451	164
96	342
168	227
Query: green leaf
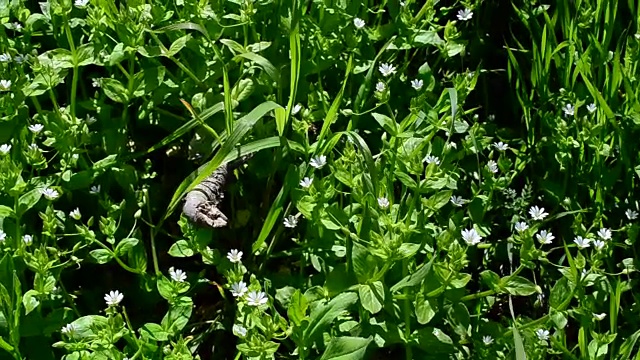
415	278
428	37
386	123
102	256
265	64
560	293
154	332
178	315
324	315
517	285
181	248
125	245
297	310
372	296
165	288
6	211
346	348
491	279
28	200
114	90
424	309
30	301
177	45
243	90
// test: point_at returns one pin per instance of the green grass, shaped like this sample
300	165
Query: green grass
404	161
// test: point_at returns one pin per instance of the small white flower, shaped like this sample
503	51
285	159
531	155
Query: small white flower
383	202
598	244
631	214
537	213
234	256
5	57
75	214
19	58
542	334
359	23
36	128
581	242
5	148
521	226
471	237
256	298
545	238
81	3
318	162
95	83
386	69
95	189
3	236
113	298
417	84
493	166
50	193
487	340
296	109
239	289
599	317
239	330
5	85
34	147
17	25
569	110
290	221
457	201
604	234
464	15
306	182
90	120
177	275
68	329
27	239
591	108
430	159
500	146
380	86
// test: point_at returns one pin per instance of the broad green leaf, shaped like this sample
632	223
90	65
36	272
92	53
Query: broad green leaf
6	211
102	256
346	348
30	301
517	285
181	248
28	200
114	90
325	315
125	245
372	296
154	332
265	64
178	45
297	310
414	278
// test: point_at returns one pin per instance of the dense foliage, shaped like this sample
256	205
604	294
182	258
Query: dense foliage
412	179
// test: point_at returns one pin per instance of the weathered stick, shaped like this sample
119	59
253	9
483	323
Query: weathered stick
201	203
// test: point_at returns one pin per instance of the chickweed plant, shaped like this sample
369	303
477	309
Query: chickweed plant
365	179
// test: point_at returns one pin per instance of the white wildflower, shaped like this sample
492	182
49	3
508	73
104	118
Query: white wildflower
359	23
256	298
50	193
383	202
36	128
296	109
542	334
95	83
27	239
306	182
604	234
239	289
386	69
465	15
417	84
81	3
591	108
521	226
598	244
545	237
569	110
430	159
290	221
631	214
493	166
487	340
68	329
239	330
5	85
113	298
75	214
5	148
500	146
318	162
5	57
600	316
3	236
95	189
177	275
581	242
537	213
380	86
471	237
457	201
234	256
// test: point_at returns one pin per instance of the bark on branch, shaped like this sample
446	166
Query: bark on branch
201	203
